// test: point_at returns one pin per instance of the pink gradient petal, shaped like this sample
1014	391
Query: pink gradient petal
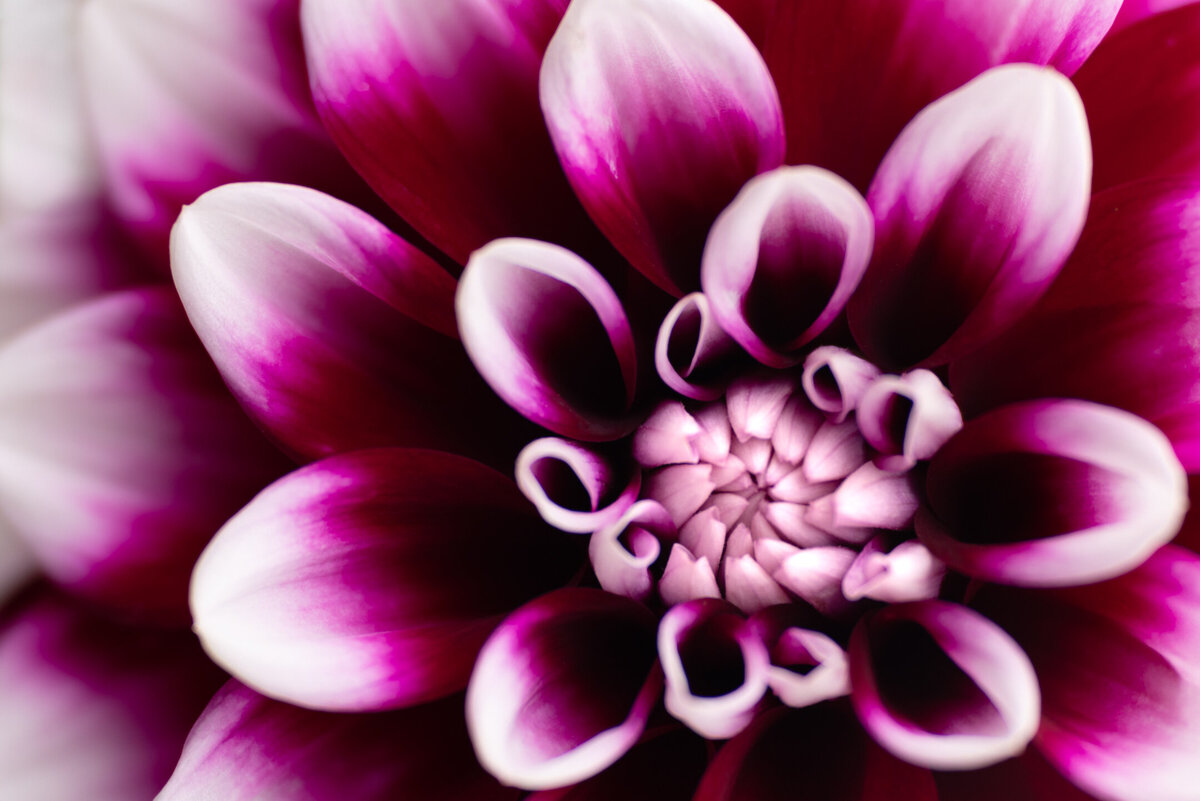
660	111
665	767
1052	493
692	353
623	553
908	572
942	687
332	331
815	574
834	379
563	688
121	452
977	205
549	335
1142	97
575	488
851	74
820	753
437	106
667	437
907	418
782	260
1134	10
1117	665
246	747
92	709
681	488
749	586
715	667
795	429
687	577
835	452
868	498
369	580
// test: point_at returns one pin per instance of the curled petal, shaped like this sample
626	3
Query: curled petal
715	667
246	747
835	380
549	335
563	688
782	260
977	205
121	451
369	580
907	418
660	112
623	553
908	572
807	667
941	686
332	331
575	488
692	352
1052	493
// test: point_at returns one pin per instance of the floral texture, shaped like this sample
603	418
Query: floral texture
850	349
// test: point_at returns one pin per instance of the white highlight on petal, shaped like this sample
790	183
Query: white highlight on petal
834	379
829	678
625	569
909	572
932	417
689	342
596	474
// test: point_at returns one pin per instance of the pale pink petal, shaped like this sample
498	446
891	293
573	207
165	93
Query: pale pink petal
623	553
908	572
826	671
687	578
868	498
681	488
575	488
756	403
835	380
907	418
692	353
795	429
815	575
835	452
667	437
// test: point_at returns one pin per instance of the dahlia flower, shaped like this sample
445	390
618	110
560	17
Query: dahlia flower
852	350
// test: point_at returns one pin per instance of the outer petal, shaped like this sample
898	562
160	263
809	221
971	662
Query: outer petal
1028	777
660	112
563	688
851	74
692	353
939	685
92	709
1117	663
1052	493
370	580
331	330
249	748
1134	10
1142	94
783	258
122	451
819	753
977	205
661	768
549	335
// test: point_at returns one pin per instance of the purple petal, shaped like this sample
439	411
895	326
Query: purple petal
246	747
1117	665
122	450
92	709
575	488
549	335
660	112
1141	90
851	74
370	580
623	553
967	238
782	260
1052	493
563	688
693	354
715	667
907	418
819	752
940	686
663	768
834	379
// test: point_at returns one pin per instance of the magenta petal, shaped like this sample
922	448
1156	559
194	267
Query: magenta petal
782	260
246	747
122	450
549	335
977	205
563	688
370	580
660	112
1052	493
820	753
1028	777
332	331
666	767
1117	665
941	686
693	353
1135	10
575	488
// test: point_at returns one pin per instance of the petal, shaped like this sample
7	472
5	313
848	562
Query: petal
92	709
664	768
815	575
1052	493
563	688
819	752
908	572
331	330
867	498
437	107
667	437
18	565
692	354
835	452
1028	776
940	686
1117	665
1134	10
623	553
575	488
246	747
715	667
1143	101
807	667
907	418
835	380
121	452
782	259
549	335
687	577
977	205
660	112
370	580
852	74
